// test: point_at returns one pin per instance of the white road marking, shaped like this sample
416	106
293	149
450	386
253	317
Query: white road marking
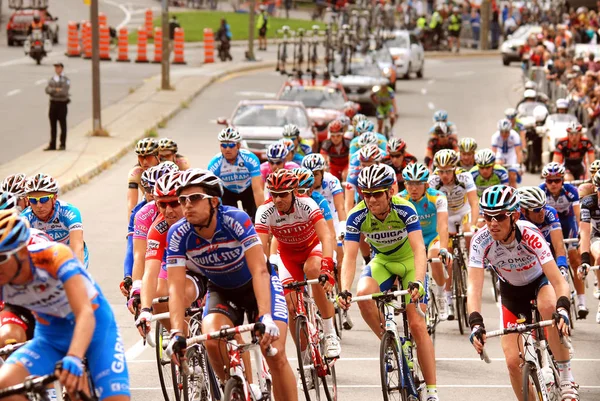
423	91
40	81
135	350
269	95
431	106
125	11
464	73
431	82
13	92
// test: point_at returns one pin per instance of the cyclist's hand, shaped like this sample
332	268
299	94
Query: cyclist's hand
561	320
445	255
125	286
271	330
71	374
342	229
327	264
343	299
134	301
477	337
177	345
564	270
143	322
417	291
582	271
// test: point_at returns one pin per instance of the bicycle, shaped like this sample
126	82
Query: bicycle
312	365
460	276
573	297
396	354
433	314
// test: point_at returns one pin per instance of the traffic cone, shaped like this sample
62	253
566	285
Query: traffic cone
148	22
158	44
73	49
123	45
178	46
142	56
209	46
86	35
104	43
102	20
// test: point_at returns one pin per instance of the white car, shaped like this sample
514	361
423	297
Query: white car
407	52
511	46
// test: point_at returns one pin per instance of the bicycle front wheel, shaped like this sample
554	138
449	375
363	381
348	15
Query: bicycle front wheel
306	367
165	372
390	367
531	385
432	312
458	296
234	390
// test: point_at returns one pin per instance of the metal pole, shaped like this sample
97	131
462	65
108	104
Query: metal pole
485	25
96	104
166	49
251	30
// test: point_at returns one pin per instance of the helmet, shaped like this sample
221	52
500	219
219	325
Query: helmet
306	179
368	138
467	145
510	113
36	16
365	126
504	125
282	180
553	169
395	145
562	104
415	172
485	157
530	85
540	113
596	180
203	178
151	175
532	197
574	127
595	167
277	152
42	183
358	118
15	184
146	147
288	143
440	115
530	94
229	134
335	127
167	144
168	184
499	198
7	200
314	162
376	176
345	121
14	231
350	111
440	128
370	153
291	131
445	158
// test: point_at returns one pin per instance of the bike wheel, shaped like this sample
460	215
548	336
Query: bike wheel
495	285
432	313
464	280
337	320
306	367
457	290
531	384
165	373
234	390
391	369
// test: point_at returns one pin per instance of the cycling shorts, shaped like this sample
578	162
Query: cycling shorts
577	169
230	198
17	315
516	300
461	217
199	281
292	265
337	170
454	34
384	111
569	230
105	355
386	271
235	302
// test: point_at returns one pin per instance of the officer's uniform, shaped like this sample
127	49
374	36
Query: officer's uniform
59	99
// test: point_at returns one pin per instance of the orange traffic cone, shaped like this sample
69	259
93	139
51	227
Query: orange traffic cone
158	45
73	49
102	20
209	46
148	22
142	56
178	46
86	35
123	45
104	43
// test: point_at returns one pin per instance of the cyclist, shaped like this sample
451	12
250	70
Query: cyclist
441	139
357	119
167	152
432	207
398	158
399	254
383	98
366	156
147	155
15	184
565	199
220	243
365	132
276	156
302	147
239	170
59	219
305	246
587	188
50	280
336	149
506	143
520	256
441	116
466	148
511	115
293	156
487	173
575	151
590	233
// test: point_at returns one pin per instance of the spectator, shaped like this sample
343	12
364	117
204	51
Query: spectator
475	26
173	24
495	28
224	38
510	25
263	26
58	90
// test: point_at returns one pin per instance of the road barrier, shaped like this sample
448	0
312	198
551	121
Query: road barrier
158	45
142	56
209	46
86	38
178	46
104	43
148	22
123	45
73	49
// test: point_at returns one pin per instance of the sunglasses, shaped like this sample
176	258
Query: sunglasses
193	198
396	155
163	158
303	191
446	171
536	210
486	167
228	145
554	181
374	194
335	135
413	183
276	163
280	194
171	204
41	199
496	217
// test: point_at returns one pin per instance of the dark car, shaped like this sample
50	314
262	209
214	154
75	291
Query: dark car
18	24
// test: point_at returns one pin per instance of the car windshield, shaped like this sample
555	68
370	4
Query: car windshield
521	31
315	96
561	118
22	19
269	115
398	41
526	108
360	66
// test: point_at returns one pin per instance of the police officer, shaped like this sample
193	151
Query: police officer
435	24
58	90
454	26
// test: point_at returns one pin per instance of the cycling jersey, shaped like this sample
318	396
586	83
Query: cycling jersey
265	168
128	262
452	130
434	144
499	176
408	158
550	223
52	265
157	241
66	218
385	96
323	205
381	142
303	149
338	154
573	156
330	187
236	176
506	148
456	192
432	203
143	220
590	213
563	203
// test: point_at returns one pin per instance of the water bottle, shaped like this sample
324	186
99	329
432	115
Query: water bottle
406	348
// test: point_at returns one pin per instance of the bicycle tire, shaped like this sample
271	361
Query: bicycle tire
456	289
165	373
234	390
464	280
302	337
389	352
530	376
432	314
495	284
338	318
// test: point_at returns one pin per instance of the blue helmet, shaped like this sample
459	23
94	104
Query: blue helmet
553	169
415	172
499	198
314	162
306	179
440	116
365	126
14	231
277	152
7	201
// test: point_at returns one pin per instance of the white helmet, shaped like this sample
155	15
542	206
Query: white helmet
540	113
229	134
203	178
562	104
532	197
530	85
41	183
504	125
530	94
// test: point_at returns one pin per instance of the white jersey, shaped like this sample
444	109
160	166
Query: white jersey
505	149
517	264
456	192
330	187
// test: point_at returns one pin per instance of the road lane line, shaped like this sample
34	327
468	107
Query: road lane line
431	82
14	92
431	106
423	91
125	11
40	81
135	351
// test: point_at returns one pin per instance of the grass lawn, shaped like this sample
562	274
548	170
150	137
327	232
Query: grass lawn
194	22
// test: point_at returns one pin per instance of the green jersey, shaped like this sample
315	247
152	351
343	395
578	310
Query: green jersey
499	176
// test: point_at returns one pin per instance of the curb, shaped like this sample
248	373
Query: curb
105	164
460	55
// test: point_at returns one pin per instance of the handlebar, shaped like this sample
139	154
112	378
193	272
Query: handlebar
228	332
571	240
167	315
297	285
385	296
10	348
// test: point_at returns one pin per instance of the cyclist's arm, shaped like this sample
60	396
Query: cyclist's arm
257	189
176	282
474	202
149	282
349	264
415	239
442	227
585	229
139	256
261	279
349	196
561	287
85	321
577	210
428	158
519	152
556	239
557	157
264	239
76	243
326	237
474	288
132	199
338	202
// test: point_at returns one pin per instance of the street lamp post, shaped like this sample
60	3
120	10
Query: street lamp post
251	29
96	104
166	49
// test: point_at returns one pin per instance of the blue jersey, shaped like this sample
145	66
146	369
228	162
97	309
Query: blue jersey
432	203
563	203
131	226
297	158
550	223
382	143
236	176
66	218
355	161
323	204
222	258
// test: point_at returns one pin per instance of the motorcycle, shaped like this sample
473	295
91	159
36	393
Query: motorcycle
534	136
37	47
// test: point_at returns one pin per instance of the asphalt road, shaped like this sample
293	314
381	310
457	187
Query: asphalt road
475	93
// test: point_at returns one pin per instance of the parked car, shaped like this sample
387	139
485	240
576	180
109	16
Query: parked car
260	122
19	21
407	53
511	46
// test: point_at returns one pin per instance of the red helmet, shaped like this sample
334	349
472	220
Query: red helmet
335	127
282	180
395	145
350	112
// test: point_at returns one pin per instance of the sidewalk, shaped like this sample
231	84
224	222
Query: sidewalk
127	121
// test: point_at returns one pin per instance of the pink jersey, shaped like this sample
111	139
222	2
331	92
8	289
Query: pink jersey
265	169
143	220
295	231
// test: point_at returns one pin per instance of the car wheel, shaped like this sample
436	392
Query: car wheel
10	42
407	75
505	61
420	72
